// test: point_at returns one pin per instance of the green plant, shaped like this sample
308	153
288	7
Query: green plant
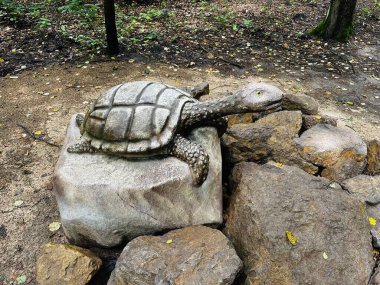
12	12
43	23
77	7
153	14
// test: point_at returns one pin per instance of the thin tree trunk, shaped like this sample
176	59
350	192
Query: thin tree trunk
110	21
338	23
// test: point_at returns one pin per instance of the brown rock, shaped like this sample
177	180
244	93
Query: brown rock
193	255
66	265
364	187
269	138
340	152
333	242
308	105
200	90
374	157
309	121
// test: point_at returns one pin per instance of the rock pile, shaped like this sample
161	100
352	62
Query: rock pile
303	210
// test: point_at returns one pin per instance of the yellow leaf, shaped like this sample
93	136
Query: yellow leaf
54	226
38	133
1	59
169	241
285	45
375	251
318	117
372	221
55	109
349	103
131	60
113	58
291	238
325	256
279	164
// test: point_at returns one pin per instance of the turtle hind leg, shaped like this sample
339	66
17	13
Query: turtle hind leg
81	147
194	155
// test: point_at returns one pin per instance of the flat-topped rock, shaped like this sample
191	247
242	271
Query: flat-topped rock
105	200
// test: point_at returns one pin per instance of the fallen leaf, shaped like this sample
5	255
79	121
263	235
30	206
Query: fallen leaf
291	238
38	133
279	164
325	256
1	59
55	109
54	226
372	221
18	203
318	117
169	241
349	103
21	279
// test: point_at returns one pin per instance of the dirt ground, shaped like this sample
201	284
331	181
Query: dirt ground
40	99
44	100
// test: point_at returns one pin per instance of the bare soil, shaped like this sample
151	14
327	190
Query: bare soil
61	82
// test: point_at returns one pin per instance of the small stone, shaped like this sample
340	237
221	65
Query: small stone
3	231
374	157
309	121
193	255
200	90
66	265
304	103
340	152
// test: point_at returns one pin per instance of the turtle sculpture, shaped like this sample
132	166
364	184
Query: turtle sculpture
143	119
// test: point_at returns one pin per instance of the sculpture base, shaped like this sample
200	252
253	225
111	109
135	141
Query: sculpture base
106	201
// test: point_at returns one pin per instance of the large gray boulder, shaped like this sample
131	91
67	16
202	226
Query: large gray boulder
193	255
339	152
105	200
293	228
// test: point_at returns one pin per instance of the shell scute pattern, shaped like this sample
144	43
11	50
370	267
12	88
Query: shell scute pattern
136	117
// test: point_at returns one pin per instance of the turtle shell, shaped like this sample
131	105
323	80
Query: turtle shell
135	118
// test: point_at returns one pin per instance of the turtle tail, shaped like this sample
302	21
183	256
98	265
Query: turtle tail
81	147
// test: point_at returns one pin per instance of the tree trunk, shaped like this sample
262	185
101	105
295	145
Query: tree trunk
338	23
111	32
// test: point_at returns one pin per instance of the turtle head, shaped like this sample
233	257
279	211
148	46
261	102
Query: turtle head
258	97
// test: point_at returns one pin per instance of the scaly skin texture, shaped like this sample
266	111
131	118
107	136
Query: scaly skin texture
193	154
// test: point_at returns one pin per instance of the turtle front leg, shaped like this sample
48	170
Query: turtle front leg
193	154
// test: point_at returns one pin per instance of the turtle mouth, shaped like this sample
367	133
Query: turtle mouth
274	106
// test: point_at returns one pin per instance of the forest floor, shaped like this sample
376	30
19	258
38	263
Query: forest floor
48	76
